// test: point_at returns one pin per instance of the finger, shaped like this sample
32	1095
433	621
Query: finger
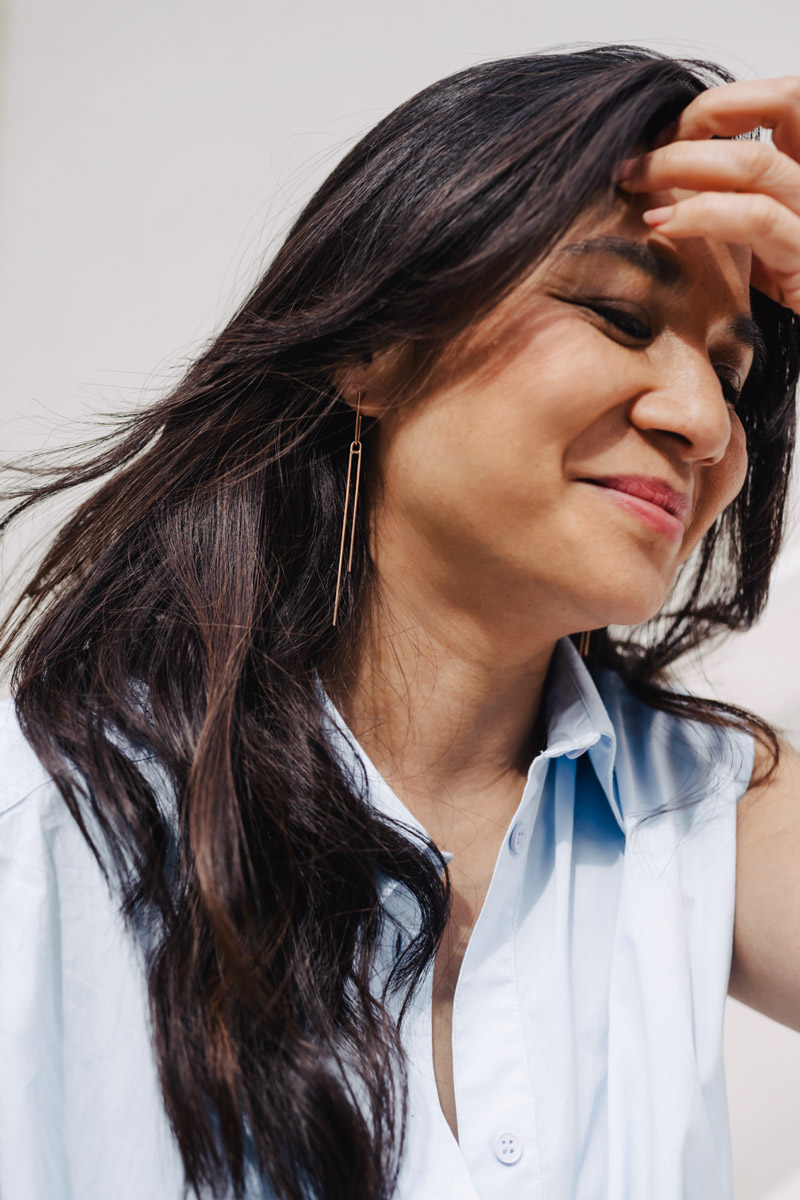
764	279
768	227
739	107
718	166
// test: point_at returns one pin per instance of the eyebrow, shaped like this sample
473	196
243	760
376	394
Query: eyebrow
668	272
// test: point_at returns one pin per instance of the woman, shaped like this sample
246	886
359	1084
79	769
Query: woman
310	774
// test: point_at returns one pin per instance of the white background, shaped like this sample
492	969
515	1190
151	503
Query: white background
152	153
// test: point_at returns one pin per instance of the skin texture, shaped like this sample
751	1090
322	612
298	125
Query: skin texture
489	546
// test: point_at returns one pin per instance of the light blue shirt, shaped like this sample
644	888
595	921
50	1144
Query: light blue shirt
588	1014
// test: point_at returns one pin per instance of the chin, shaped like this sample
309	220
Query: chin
637	605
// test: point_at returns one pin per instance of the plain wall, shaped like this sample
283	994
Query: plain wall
152	154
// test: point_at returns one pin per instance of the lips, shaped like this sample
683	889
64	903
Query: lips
654	491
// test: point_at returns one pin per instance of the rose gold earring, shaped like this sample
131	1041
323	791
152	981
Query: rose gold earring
355	453
583	648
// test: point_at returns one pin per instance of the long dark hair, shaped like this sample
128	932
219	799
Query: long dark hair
185	610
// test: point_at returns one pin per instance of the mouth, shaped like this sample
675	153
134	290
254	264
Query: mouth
653	501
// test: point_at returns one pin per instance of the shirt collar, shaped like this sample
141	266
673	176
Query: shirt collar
576	718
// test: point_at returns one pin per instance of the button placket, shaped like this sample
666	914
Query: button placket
490	1067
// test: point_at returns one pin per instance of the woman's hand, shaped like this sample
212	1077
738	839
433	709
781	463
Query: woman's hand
749	192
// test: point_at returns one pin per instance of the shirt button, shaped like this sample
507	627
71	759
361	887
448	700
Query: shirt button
519	835
508	1148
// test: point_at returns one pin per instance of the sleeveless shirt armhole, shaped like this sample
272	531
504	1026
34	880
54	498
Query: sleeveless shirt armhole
744	761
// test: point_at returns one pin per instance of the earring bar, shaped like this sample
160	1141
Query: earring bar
355	452
355	449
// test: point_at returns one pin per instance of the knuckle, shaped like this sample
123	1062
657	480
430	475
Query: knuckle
759	159
705	203
668	158
765	214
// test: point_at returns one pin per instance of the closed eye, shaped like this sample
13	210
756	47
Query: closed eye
623	321
731	388
728	378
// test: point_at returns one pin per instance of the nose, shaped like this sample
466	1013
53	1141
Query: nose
684	401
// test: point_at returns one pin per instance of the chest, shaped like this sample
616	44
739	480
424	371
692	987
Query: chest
492	864
470	878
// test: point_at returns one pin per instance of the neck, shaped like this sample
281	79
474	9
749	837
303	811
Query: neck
448	708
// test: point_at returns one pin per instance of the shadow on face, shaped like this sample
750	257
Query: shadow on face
618	357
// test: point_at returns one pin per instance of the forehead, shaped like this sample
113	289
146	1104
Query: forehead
715	270
705	277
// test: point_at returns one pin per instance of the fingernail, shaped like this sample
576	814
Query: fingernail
624	169
658	216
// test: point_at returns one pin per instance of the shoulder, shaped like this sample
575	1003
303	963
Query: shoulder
26	784
51	863
37	830
677	756
57	897
765	971
75	1034
43	850
771	801
21	773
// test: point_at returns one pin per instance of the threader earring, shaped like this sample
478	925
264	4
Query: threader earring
355	453
583	648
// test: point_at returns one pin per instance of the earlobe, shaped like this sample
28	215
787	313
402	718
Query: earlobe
358	394
374	378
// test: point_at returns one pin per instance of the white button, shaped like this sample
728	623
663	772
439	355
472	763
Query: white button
508	1148
519	835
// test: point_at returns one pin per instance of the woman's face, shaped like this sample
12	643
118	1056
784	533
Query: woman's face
616	361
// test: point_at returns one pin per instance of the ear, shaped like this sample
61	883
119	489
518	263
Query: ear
375	378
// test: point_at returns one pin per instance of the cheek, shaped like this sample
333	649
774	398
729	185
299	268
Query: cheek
720	485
